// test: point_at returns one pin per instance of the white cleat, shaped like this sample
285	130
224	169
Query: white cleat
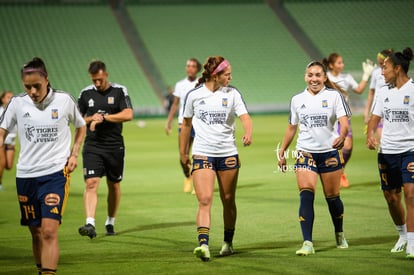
307	249
399	246
340	240
202	252
226	249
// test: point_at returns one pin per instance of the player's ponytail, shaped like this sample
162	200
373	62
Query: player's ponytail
36	65
402	58
210	66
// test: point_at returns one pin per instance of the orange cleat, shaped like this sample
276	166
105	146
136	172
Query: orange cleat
344	181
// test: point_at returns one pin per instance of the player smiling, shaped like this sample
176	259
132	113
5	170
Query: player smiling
211	109
314	112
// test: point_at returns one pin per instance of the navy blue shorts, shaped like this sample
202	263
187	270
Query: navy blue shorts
319	162
98	163
396	170
42	197
192	131
215	163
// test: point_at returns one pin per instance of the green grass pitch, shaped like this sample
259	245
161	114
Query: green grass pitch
156	221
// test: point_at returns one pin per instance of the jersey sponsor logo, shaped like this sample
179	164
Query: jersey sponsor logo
111	100
91	103
224	102
91	172
396	115
410	167
324	103
406	100
41	133
231	162
331	162
55	114
314	120
213	117
27	115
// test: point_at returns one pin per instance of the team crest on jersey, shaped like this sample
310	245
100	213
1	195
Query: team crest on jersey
324	103
406	99
111	100
91	103
224	102
55	114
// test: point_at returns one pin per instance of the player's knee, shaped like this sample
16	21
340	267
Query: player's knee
392	198
228	199
91	184
204	201
49	233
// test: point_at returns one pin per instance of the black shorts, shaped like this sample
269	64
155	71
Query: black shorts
396	170
42	197
319	162
99	163
216	163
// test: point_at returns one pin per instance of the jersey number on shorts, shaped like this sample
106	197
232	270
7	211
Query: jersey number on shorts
29	210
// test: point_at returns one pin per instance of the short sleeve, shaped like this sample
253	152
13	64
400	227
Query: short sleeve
342	108
75	117
82	104
378	105
8	117
188	110
239	104
293	116
177	90
125	100
373	82
351	82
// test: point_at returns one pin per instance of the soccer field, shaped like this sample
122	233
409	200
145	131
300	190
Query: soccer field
156	221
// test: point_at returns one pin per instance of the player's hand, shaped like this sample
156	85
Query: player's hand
72	164
185	164
98	117
247	140
282	164
338	143
92	126
372	143
368	66
168	129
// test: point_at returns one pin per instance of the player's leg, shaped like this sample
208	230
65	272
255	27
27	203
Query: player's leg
204	177
2	164
50	245
188	179
114	167
227	175
330	168
408	179
114	198
391	185
36	246
346	155
93	169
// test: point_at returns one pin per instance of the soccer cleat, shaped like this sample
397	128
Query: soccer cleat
87	230
226	249
202	252
1	187
399	246
340	240
410	252
188	185
344	181
109	230
307	249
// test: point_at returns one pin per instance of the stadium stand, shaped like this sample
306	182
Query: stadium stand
68	37
268	64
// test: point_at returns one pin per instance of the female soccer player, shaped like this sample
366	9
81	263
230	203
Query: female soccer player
42	116
181	90
211	108
377	82
7	149
395	104
335	63
315	111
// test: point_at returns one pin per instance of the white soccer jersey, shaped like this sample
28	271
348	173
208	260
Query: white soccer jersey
45	135
396	107
377	82
11	137
344	81
181	90
213	115
316	116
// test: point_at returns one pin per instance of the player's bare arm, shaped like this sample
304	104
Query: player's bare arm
372	125
123	116
3	135
248	128
339	141
171	115
184	141
77	144
287	140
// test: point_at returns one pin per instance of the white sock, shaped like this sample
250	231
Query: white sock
110	220
90	220
402	230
